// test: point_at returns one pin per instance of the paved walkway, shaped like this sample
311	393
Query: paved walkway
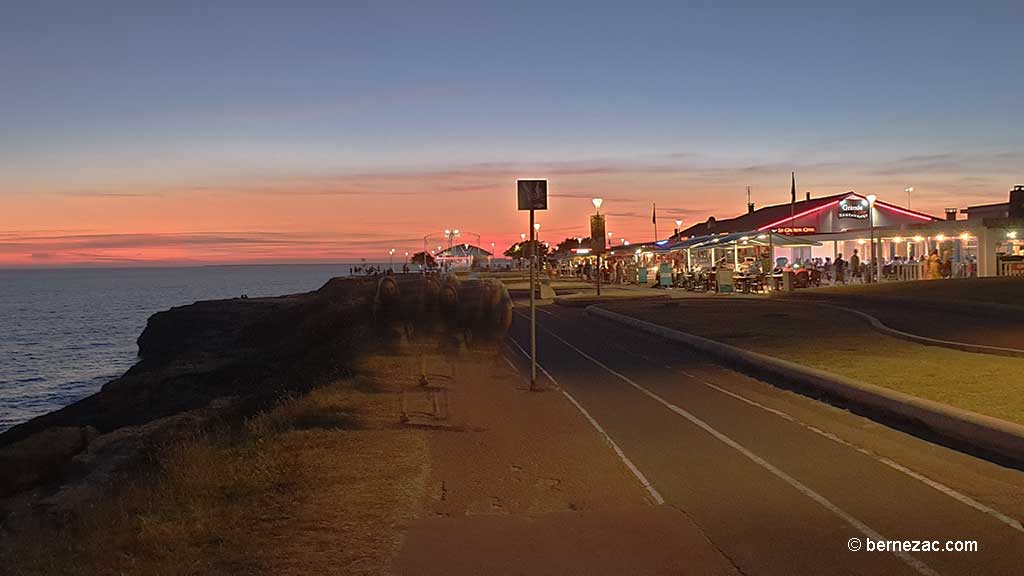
521	482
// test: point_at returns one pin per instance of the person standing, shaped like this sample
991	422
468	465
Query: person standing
934	266
840	268
854	264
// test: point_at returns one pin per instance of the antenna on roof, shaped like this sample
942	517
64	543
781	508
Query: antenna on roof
750	205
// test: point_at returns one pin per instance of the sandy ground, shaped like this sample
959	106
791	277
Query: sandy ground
520	483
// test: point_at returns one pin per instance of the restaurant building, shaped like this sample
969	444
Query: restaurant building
989	242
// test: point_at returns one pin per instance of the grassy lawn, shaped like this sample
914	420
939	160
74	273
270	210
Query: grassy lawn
1008	290
841	343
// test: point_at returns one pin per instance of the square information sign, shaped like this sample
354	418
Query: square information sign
533	194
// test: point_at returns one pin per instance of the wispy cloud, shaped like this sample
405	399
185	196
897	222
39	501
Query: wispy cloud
109	194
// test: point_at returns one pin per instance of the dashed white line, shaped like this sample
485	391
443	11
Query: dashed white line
655	495
864	529
952	493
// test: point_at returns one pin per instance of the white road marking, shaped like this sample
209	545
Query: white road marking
952	493
864	529
655	495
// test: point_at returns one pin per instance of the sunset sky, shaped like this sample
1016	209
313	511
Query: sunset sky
199	132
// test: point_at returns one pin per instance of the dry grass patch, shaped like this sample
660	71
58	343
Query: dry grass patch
319	485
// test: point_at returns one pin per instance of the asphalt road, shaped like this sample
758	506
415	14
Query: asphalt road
780	483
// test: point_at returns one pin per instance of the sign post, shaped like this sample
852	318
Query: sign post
532	195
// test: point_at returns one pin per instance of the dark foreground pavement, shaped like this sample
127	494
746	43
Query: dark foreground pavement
779	483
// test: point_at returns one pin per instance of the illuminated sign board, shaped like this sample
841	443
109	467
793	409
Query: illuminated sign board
853	207
795	230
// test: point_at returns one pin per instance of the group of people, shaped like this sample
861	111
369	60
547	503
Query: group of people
611	273
374	270
936	266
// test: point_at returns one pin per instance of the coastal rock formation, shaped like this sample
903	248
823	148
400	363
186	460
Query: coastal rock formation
253	351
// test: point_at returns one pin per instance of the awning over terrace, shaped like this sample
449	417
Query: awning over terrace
748	240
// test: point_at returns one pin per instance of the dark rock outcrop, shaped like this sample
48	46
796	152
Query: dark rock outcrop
253	351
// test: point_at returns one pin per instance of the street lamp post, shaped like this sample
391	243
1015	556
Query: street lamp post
522	240
871	226
597	207
450	234
534	256
391	257
908	190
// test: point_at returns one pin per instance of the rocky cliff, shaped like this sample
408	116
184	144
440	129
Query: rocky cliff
231	358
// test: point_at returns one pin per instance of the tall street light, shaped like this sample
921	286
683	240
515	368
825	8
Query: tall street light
522	239
909	190
450	234
536	257
391	256
871	225
597	207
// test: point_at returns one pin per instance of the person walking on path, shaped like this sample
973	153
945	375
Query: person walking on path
855	265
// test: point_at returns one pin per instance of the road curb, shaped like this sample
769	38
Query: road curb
962	346
594	300
984	433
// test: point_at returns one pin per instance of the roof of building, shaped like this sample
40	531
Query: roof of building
993	205
462	251
770	216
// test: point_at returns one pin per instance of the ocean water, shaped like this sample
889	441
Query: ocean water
65	333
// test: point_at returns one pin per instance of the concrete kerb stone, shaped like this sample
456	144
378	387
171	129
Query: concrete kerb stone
984	433
962	346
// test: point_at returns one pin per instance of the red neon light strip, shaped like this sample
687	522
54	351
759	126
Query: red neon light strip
794	217
905	212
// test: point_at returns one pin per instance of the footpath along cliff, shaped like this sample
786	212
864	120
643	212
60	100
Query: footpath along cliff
226	360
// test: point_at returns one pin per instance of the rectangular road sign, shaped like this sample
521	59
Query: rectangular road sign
533	194
597	234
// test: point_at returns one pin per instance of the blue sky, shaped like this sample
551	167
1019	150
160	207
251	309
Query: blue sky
146	97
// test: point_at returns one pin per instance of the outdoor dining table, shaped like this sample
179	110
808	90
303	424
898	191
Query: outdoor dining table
746	282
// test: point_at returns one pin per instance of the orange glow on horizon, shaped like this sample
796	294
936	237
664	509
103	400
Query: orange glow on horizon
351	217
